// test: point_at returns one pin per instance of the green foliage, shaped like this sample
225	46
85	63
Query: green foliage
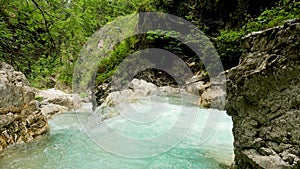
285	9
43	38
39	98
228	43
228	46
165	40
109	64
43	73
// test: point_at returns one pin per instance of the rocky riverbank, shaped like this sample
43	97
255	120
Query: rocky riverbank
264	99
198	85
137	89
54	101
24	110
20	117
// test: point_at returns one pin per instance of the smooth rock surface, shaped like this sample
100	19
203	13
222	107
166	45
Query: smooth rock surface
264	99
137	89
55	101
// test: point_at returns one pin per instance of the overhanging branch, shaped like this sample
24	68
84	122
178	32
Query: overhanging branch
46	25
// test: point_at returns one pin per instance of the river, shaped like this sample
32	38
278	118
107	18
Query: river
69	146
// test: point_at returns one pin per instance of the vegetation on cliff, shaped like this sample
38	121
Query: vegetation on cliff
43	38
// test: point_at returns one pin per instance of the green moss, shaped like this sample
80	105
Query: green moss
108	65
39	98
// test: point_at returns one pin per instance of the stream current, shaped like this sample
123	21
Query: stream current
69	146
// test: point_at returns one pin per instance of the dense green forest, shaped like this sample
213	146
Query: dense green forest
43	38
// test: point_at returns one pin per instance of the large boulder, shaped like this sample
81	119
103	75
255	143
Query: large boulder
20	116
137	89
53	101
264	99
210	96
213	97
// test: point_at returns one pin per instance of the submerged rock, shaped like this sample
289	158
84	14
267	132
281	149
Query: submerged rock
264	99
20	117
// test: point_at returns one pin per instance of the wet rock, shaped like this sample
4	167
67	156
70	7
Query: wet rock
198	84
101	92
6	119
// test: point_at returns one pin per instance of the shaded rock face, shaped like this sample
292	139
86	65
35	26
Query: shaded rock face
20	117
263	98
101	92
157	77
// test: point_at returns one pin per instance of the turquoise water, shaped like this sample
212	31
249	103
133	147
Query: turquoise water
69	146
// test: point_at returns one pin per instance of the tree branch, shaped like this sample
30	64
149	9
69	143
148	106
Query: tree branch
46	25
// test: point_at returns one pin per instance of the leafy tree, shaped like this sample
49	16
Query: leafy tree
43	38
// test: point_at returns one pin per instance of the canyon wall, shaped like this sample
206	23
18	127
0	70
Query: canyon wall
263	98
20	117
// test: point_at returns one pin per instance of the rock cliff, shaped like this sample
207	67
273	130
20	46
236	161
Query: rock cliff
20	116
263	98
